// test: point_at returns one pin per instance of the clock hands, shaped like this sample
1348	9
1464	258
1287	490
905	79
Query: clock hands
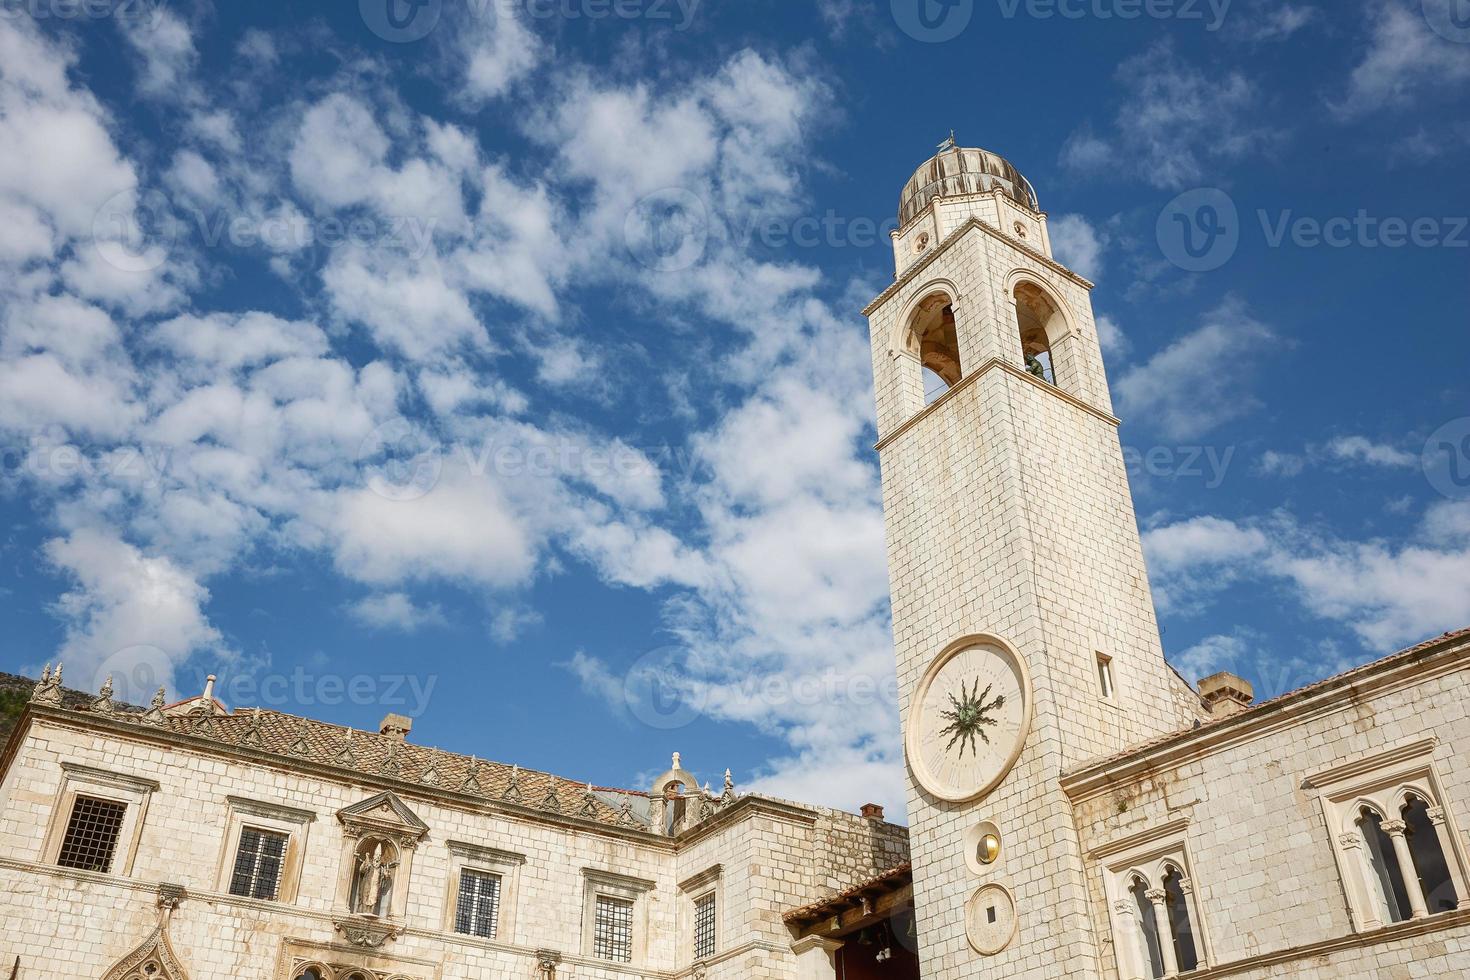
969	716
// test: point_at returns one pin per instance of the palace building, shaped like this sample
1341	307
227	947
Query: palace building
1076	808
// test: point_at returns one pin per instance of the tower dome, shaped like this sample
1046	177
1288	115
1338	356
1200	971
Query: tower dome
959	170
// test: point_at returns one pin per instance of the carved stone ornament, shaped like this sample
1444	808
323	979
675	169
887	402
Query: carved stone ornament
547	960
384	815
154	958
368	933
48	689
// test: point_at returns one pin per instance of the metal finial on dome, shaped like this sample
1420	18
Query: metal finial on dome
948	144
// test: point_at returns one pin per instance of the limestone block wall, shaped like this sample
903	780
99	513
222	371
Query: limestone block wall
1265	873
69	925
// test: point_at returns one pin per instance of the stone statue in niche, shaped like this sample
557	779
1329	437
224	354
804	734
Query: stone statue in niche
372	879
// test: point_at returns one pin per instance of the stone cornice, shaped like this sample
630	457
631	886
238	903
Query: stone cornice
741	809
1429	661
993	364
1140	839
339	774
912	272
1351	770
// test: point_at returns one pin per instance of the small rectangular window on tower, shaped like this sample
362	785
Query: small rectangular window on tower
1105	676
92	834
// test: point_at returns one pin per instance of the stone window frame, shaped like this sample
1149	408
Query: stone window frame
505	865
133	792
628	889
710	881
274	817
1382	783
1149	855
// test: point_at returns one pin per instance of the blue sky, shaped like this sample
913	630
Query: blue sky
500	362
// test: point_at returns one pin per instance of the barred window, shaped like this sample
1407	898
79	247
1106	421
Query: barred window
704	927
258	864
91	834
612	935
477	912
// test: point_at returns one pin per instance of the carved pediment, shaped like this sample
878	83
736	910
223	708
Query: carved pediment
384	814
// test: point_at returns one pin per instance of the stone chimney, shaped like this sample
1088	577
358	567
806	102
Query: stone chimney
396	726
1226	694
872	811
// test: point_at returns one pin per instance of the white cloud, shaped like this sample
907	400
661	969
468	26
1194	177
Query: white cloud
1077	244
1111	336
1364	450
1405	59
397	611
124	599
1176	124
499	49
1389	595
1202	380
165	46
463	530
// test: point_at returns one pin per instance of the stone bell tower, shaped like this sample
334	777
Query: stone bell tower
1016	567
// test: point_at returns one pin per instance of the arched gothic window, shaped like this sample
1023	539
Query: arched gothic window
1181	926
310	973
1427	853
1386	877
1148	924
1041	324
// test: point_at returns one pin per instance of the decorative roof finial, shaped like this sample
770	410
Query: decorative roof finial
48	688
209	687
948	144
676	761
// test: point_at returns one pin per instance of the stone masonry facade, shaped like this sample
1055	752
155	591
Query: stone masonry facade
1147	828
192	777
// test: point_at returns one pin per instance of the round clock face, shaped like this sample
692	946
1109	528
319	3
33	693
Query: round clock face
969	720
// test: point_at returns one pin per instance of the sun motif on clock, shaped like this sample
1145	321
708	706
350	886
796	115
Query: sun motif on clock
969	719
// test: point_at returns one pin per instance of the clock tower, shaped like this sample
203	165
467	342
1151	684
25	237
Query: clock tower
1023	623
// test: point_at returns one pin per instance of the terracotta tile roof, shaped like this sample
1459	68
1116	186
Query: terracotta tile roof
1448	639
370	753
890	880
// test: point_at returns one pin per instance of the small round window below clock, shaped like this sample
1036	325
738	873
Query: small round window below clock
983	847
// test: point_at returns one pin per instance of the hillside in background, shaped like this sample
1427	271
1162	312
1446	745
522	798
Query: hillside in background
15	693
